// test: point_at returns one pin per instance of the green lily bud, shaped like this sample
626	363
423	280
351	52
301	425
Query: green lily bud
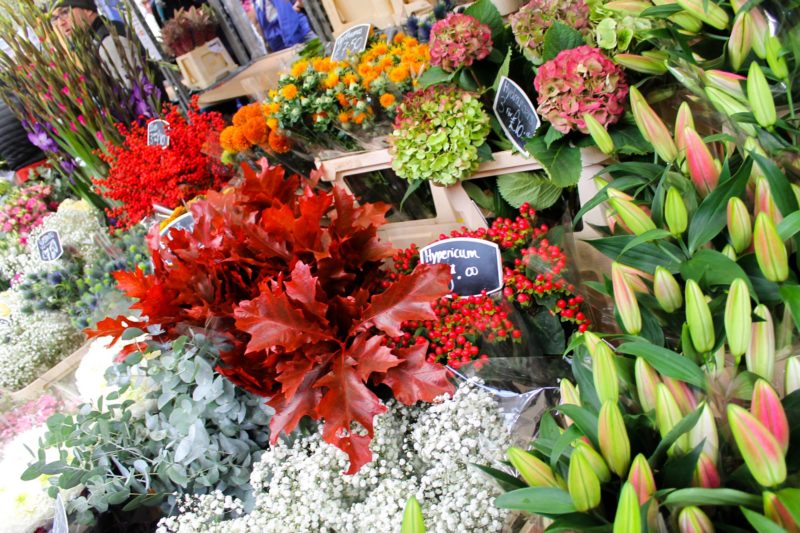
738	321
775	59
729	83
729	252
625	299
627	7
582	483
533	470
791	380
641	63
413	521
760	354
693	520
595	460
698	316
667	291
727	105
652	127
599	134
629	517
668	414
708	12
760	450
705	431
739	224
675	212
647	381
604	373
632	215
740	41
760	97
613	436
591	340
773	260
569	396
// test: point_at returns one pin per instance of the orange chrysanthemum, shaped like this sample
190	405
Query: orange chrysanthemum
256	131
299	68
399	73
226	138
239	142
387	100
289	91
344	117
273	123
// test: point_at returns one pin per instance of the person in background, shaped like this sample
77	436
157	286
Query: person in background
282	23
17	153
165	9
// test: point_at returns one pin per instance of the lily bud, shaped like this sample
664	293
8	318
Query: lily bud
643	64
702	168
636	277
771	254
569	396
683	120
775	510
616	193
760	354
760	450
533	470
627	7
775	59
604	373
727	82
667	291
791	380
629	517
767	408
413	521
729	252
632	215
625	299
727	105
682	393
739	225
708	12
740	41
652	127
698	317
760	97
765	202
668	414
591	340
705	431
647	380
582	483
595	460
599	134
675	212
641	477
693	520
613	437
738	321
706	474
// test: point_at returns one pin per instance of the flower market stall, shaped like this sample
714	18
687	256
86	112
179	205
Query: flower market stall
481	267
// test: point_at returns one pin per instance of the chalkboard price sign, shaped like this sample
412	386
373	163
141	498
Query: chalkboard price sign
516	113
157	133
49	246
353	41
474	264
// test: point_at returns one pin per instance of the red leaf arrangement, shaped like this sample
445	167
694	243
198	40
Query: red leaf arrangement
142	175
292	277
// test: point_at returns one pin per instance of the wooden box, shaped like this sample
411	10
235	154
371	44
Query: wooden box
205	64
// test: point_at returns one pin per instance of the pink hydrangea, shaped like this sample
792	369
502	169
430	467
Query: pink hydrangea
458	41
533	19
579	81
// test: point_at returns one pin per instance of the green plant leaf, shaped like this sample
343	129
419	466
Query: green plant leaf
506	481
540	500
32	472
714	268
413	521
478	195
561	161
563	444
647	236
628	140
661	11
551	136
791	499
710	217
686	424
761	523
583	378
678	471
504	68
578	522
645	256
723	497
778	184
413	185
584	419
435	76
666	362
790	294
789	226
485	153
560	37
531	187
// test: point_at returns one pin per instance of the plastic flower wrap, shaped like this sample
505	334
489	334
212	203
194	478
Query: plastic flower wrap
437	134
458	41
533	19
580	81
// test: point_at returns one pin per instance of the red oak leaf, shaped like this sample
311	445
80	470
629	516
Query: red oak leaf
371	356
303	403
133	284
415	379
112	327
409	298
302	288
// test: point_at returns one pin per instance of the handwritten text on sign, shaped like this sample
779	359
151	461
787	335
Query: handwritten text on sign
157	133
351	42
49	246
516	113
474	264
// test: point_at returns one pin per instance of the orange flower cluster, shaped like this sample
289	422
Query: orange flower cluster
401	62
251	128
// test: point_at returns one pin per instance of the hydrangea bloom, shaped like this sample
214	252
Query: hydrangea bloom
579	81
458	41
533	19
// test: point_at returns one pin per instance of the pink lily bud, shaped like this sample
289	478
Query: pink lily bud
761	31
604	373
792	377
771	254
633	216
641	63
667	291
641	477
683	120
647	380
765	202
636	277
613	437
652	127
693	520
668	414
705	431
682	393
706	474
760	450
740	41
702	168
533	470
760	355
775	510
625	299
767	408
727	82
740	228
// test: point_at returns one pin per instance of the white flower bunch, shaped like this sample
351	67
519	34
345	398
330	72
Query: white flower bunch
425	451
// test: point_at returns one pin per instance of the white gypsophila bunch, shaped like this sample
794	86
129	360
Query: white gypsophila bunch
79	229
425	451
31	344
25	505
13	257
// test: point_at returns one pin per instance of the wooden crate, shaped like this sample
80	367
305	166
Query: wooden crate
58	373
345	13
206	64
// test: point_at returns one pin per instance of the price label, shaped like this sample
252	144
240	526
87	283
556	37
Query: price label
157	133
516	113
5	322
352	41
49	246
475	264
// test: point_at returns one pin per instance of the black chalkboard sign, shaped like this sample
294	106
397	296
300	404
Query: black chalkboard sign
474	264
157	133
352	41
516	113
49	246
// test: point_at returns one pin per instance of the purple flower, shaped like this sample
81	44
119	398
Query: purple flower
39	138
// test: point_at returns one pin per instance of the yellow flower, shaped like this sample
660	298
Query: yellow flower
350	78
289	91
331	81
399	73
299	67
272	123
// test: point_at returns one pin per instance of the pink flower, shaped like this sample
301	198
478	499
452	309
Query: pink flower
65	90
580	81
458	41
533	19
81	120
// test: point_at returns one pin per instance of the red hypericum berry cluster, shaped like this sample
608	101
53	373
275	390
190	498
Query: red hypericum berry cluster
142	175
454	338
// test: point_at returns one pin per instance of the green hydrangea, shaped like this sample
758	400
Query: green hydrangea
437	134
